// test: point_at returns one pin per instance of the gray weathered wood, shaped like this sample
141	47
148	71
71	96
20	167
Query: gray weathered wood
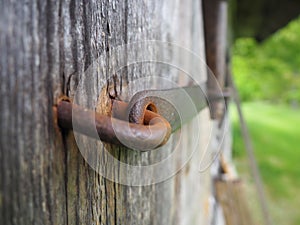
45	48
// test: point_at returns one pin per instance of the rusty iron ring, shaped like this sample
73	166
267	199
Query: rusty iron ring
152	131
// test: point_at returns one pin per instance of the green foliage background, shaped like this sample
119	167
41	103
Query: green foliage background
269	70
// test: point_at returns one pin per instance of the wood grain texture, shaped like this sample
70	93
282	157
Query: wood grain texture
231	195
45	48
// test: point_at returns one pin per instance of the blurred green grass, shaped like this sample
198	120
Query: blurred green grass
275	132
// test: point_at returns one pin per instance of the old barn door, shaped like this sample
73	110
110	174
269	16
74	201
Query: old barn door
51	49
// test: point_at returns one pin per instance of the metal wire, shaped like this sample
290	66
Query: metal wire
250	153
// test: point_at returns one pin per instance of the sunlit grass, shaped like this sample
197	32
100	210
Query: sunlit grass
275	131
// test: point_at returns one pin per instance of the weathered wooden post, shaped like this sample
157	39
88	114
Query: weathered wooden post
215	24
46	47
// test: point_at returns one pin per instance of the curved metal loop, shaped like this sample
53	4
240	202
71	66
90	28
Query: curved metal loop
175	104
116	130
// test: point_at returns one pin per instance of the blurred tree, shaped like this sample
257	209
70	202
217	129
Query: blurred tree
269	70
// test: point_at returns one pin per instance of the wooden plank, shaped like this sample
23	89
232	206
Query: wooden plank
215	25
45	48
230	194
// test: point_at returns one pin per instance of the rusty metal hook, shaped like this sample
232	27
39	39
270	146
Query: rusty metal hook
151	117
154	133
